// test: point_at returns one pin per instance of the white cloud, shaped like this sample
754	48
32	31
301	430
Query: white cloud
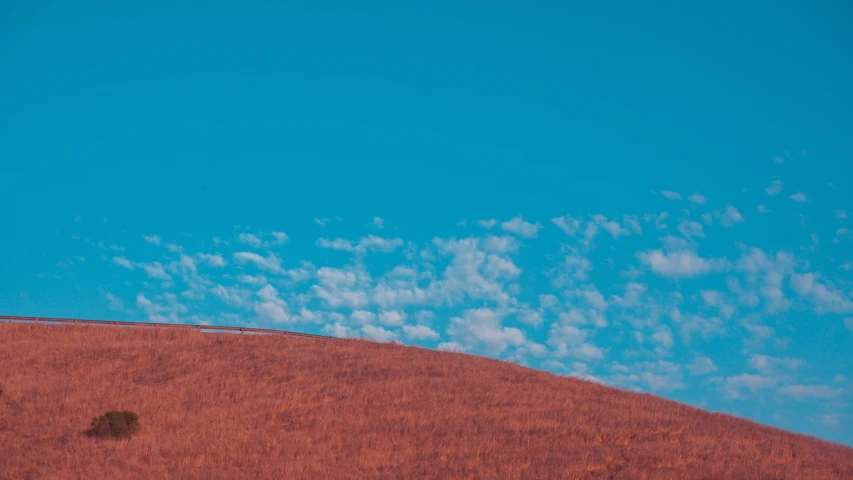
658	219
759	333
581	317
799	197
271	263
704	326
716	299
730	216
727	218
280	238
567	224
530	317
518	226
500	245
473	273
482	327
762	209
570	341
155	270
735	387
450	347
841	214
825	297
255	241
252	279
830	419
115	303
323	221
594	297
378	334
271	306
488	224
765	275
773	366
388	296
123	262
633	223
338	330
145	304
690	229
575	266
166	308
774	188
378	222
662	338
420	332
778	160
233	296
702	365
337	244
370	243
342	288
697	198
393	318
152	239
656	376
804	392
187	264
670	195
633	296
424	316
679	264
214	260
250	239
611	226
848	322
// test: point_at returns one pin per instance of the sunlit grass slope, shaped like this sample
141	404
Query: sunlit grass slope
232	406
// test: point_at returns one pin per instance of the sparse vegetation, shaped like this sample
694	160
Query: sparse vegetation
252	406
114	424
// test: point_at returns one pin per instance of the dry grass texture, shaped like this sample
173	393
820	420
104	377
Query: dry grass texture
231	406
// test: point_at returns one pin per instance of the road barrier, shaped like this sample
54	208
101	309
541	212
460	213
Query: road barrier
116	323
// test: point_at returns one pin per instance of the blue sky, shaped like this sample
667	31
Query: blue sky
653	199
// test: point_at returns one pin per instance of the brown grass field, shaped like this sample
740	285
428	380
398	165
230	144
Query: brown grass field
251	406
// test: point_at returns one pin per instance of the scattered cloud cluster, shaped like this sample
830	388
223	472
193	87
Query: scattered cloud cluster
629	299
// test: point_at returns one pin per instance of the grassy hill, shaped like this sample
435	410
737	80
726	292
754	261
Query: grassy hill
232	406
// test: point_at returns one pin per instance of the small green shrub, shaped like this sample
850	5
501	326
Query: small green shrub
114	424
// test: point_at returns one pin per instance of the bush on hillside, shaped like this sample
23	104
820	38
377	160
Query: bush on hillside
114	424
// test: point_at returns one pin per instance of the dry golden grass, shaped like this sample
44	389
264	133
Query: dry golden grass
231	406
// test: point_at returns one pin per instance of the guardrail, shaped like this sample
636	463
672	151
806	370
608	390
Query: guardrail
116	323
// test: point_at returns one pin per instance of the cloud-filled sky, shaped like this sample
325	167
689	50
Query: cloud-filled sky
655	200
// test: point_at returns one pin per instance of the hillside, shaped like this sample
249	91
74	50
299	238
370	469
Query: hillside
232	406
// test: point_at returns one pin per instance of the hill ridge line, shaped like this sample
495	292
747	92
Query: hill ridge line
123	323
